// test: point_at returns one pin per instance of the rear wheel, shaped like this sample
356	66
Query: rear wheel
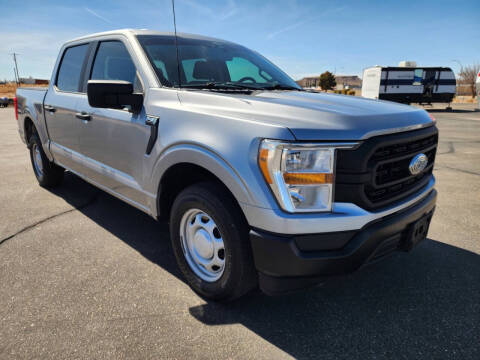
47	173
210	239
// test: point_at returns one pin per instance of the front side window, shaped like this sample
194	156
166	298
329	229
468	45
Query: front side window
68	78
210	62
113	62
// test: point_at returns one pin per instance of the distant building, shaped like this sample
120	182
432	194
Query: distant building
28	80
348	82
309	82
343	82
32	81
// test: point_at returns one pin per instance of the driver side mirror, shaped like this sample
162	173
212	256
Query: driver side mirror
113	94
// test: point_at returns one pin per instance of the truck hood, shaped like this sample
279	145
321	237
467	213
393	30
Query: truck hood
311	116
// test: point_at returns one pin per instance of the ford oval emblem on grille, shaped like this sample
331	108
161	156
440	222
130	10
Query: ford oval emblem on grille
418	164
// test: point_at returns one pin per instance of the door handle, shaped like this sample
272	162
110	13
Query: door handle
49	108
83	116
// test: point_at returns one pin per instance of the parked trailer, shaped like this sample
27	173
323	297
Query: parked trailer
423	85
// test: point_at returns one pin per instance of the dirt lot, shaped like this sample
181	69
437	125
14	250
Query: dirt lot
83	275
8	90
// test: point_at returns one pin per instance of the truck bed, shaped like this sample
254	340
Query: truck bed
30	104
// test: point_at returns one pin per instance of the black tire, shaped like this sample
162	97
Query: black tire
239	275
50	175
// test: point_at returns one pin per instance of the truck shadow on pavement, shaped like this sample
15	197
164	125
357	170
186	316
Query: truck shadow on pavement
425	304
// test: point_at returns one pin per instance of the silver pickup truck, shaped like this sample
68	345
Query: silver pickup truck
264	184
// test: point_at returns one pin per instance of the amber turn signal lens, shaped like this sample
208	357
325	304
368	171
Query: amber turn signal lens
307	179
263	163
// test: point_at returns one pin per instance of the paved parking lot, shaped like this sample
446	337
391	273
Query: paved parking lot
83	275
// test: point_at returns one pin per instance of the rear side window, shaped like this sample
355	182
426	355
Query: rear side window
113	62
68	78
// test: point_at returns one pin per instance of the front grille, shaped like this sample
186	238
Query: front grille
377	173
400	149
392	175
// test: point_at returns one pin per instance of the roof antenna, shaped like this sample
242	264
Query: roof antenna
176	42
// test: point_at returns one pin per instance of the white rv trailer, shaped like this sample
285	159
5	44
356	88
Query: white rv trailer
409	84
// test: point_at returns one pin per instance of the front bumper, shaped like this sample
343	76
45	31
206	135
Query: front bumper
345	216
289	262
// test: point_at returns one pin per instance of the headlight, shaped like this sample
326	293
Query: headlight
301	176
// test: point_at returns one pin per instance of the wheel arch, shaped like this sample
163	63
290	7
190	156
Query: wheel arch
33	121
187	164
28	128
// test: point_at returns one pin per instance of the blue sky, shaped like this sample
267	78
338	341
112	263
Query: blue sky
303	37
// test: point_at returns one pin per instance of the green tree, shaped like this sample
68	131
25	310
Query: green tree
327	81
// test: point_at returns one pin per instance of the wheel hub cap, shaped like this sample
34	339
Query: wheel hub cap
202	245
37	160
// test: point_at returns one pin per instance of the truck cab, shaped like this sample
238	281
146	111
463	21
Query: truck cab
263	183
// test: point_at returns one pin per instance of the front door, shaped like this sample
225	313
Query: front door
429	83
60	106
114	141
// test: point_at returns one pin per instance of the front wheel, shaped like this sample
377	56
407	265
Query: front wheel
210	240
47	173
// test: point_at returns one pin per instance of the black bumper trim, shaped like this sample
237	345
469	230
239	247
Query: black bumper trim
279	259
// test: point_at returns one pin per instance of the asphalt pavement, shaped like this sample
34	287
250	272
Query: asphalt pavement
84	275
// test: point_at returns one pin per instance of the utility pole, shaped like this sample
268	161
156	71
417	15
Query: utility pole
17	76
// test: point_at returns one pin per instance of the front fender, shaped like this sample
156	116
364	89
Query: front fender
206	158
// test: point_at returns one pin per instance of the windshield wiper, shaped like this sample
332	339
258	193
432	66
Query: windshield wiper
220	86
228	85
281	87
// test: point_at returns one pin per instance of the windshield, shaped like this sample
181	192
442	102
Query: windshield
212	64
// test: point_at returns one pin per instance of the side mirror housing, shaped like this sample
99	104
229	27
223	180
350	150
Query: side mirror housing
113	94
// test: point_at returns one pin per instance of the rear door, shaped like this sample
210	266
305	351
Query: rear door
60	106
429	80
114	141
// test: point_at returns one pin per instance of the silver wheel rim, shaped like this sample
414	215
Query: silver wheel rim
37	160
202	245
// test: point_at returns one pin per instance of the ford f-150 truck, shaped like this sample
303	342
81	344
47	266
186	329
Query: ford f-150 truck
263	183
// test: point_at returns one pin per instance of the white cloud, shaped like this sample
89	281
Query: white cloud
228	11
295	25
287	28
97	15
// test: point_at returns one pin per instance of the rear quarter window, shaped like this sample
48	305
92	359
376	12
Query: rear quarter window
69	73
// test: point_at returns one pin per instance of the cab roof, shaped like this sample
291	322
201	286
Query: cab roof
134	32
